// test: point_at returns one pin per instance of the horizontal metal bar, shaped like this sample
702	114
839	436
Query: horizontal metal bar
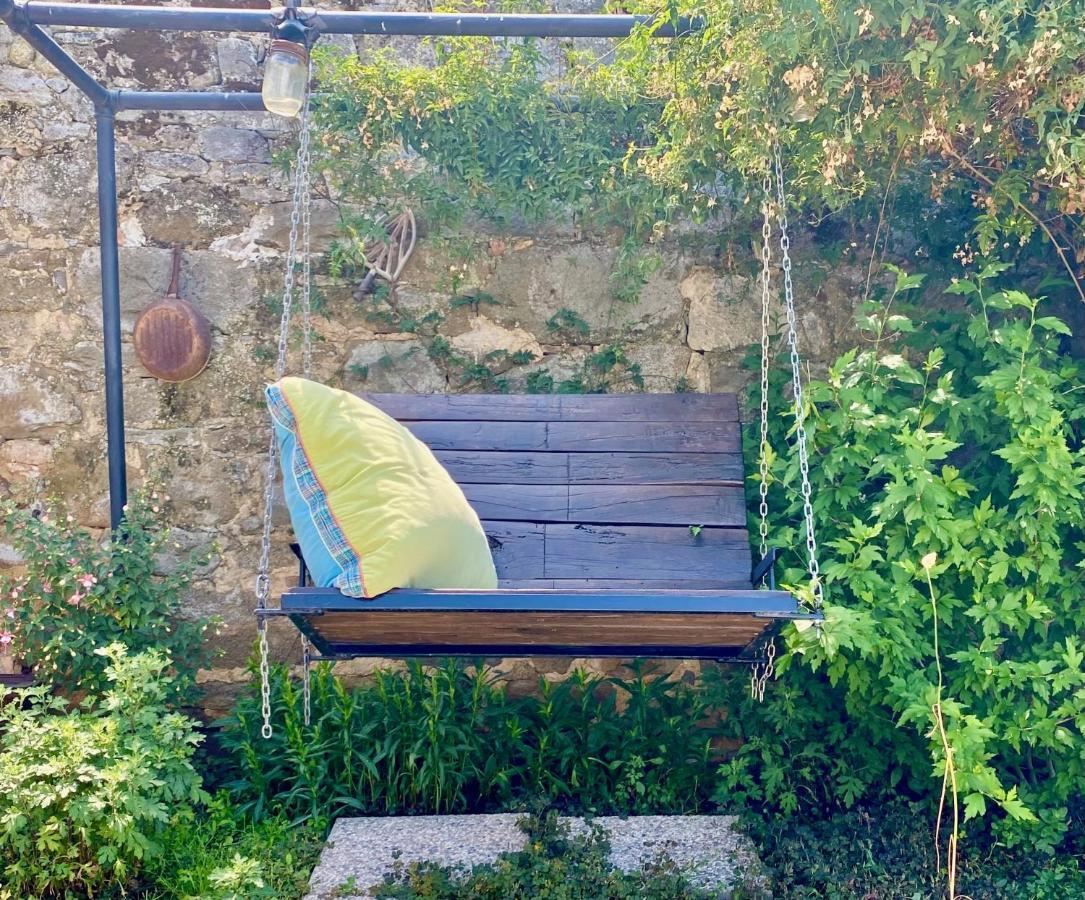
269	613
247	101
165	18
738	602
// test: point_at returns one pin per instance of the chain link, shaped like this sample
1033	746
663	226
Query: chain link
761	673
306	695
796	383
299	217
766	278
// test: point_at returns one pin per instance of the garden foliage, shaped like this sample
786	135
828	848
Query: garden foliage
85	795
957	440
78	593
452	740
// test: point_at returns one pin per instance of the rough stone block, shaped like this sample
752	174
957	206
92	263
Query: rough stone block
709	850
237	61
32	404
724	310
221	142
393	367
23	87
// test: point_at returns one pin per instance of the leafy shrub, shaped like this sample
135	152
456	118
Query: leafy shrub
877	853
968	455
85	795
554	864
78	594
450	740
223	855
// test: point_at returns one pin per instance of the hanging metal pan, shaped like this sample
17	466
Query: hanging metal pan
171	336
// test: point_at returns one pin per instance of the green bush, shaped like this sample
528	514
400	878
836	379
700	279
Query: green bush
449	739
948	451
223	855
78	593
86	795
876	852
554	864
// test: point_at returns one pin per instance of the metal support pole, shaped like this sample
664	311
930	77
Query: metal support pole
111	310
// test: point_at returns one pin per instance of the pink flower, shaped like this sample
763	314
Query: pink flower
47	587
88	581
75	598
6	637
73	561
10	613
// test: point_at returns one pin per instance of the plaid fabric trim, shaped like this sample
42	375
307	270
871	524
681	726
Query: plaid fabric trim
316	500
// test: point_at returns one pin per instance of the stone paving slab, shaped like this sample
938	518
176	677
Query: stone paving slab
709	849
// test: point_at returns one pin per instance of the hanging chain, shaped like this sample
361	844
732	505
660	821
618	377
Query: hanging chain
763	452
760	673
796	383
263	569
306	662
306	257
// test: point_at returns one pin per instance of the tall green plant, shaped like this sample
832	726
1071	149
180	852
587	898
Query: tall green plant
981	465
449	739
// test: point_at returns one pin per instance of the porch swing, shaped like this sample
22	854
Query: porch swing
617	523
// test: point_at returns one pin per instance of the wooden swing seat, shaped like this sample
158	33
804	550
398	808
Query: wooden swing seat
617	525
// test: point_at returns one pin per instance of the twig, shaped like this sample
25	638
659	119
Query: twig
948	147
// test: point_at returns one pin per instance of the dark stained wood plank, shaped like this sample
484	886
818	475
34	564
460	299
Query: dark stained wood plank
511	467
404	628
657	504
658	553
519	502
566	407
501	467
604	585
517	548
658	437
654	468
480	435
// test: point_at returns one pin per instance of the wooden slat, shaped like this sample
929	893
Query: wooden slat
657	553
659	437
525	629
559	467
655	504
519	502
517	548
654	468
553	408
480	435
644	504
501	467
604	585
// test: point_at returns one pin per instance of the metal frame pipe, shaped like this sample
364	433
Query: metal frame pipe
166	18
189	100
105	138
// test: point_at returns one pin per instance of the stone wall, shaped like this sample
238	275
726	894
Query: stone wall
207	181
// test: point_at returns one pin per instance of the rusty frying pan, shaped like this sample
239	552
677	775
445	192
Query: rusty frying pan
171	336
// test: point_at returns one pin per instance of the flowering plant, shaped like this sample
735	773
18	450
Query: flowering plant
75	593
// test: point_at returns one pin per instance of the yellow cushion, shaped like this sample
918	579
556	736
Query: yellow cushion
371	506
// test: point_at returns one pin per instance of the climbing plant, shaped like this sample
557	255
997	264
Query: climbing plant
949	474
961	121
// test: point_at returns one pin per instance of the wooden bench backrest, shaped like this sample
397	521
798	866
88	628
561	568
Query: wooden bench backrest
596	491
